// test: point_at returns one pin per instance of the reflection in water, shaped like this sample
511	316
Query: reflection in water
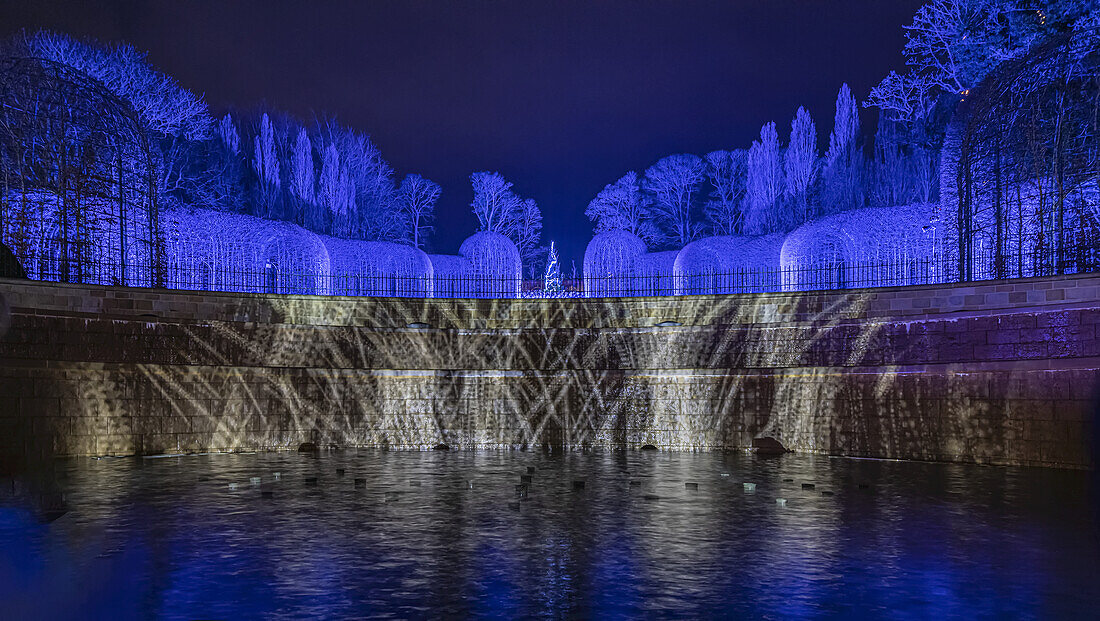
443	533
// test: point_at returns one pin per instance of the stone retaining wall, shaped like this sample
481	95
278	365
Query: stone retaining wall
1001	372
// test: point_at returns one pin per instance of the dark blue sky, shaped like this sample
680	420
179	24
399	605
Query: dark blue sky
561	97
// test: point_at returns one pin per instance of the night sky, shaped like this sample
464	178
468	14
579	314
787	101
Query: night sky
561	97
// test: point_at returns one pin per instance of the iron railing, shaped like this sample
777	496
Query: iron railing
900	271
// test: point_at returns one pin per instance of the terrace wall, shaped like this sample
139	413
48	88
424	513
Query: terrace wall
1000	372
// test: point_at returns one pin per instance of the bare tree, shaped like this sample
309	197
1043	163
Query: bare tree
378	216
500	210
726	172
495	204
903	170
906	97
528	231
336	193
377	213
951	43
163	105
227	132
621	206
198	173
417	197
671	185
227	161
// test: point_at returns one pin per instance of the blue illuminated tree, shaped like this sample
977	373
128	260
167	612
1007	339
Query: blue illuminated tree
501	210
551	280
528	230
671	185
301	177
620	206
494	204
377	213
764	185
417	197
800	165
228	140
336	193
842	175
165	107
265	162
176	120
726	173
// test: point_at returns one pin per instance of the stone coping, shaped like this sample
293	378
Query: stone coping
893	303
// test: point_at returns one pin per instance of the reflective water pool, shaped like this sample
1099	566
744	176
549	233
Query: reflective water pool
450	534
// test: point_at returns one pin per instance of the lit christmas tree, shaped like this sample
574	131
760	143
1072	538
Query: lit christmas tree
551	282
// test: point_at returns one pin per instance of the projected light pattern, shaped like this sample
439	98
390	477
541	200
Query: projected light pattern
838	373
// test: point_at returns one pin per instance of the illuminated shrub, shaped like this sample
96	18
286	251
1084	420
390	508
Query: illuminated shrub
493	265
488	266
377	268
728	264
210	250
450	276
653	273
609	261
862	247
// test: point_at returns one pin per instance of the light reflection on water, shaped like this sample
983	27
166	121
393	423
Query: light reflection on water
444	534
